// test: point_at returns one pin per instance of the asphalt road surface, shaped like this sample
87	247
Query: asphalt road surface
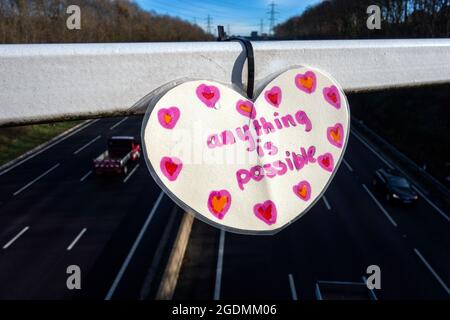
351	228
55	213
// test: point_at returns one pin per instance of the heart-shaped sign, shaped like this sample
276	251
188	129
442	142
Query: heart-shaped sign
248	166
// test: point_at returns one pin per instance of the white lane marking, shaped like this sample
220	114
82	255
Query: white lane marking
371	291
85	176
390	166
76	239
125	264
115	125
327	204
380	206
16	237
87	144
347	165
47	147
371	149
442	213
219	268
131	173
292	285
425	262
156	261
36	179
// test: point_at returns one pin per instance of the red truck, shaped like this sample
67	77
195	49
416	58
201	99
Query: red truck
122	153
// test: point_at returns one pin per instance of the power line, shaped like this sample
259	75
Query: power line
208	24
261	27
185	9
272	16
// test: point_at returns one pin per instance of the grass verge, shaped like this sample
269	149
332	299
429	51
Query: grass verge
15	141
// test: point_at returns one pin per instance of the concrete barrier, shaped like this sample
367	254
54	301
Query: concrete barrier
170	277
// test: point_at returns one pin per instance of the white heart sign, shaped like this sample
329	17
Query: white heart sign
248	166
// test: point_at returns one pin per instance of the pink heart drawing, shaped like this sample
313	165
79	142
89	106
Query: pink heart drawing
335	135
331	95
306	82
326	161
209	95
273	96
219	202
168	117
246	108
266	212
171	167
302	190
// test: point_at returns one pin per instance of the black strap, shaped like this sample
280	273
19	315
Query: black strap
250	58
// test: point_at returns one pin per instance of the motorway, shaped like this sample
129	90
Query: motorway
351	228
55	213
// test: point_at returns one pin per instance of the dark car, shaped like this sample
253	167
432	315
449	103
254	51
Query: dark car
394	186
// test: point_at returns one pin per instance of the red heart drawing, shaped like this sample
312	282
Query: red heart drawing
171	167
266	212
273	96
209	95
326	161
331	95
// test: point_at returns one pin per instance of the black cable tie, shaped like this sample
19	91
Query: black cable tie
249	54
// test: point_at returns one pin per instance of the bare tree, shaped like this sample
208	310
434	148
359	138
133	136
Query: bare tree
39	21
346	19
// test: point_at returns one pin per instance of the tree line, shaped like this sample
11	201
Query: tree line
345	19
44	21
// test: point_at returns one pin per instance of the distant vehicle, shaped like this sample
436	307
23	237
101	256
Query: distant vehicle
394	186
122	152
340	290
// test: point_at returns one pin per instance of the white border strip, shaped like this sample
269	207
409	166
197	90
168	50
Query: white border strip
125	264
442	213
372	149
327	204
292	286
438	278
218	283
347	165
380	206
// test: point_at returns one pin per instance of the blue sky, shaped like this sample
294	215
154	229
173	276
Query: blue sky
241	16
